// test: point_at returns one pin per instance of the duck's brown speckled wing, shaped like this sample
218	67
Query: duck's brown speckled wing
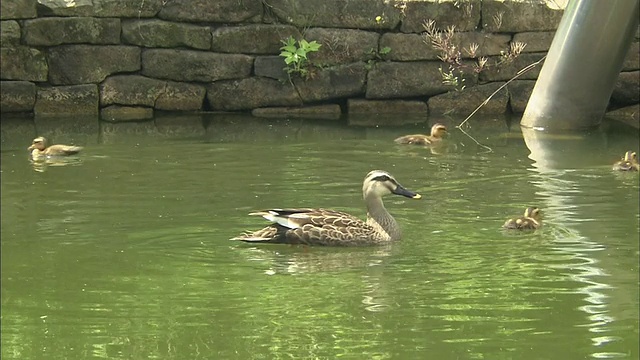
312	227
416	139
521	223
62	150
625	166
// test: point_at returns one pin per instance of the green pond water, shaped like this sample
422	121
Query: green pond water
123	251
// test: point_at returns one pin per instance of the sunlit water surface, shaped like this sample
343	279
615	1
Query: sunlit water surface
123	252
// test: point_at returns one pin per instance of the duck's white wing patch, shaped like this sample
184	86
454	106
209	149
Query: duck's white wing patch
290	221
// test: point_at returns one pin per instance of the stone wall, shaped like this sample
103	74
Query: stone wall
125	59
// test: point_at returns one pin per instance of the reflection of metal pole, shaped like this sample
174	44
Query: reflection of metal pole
583	63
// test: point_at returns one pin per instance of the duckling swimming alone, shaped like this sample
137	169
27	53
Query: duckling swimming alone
39	149
437	133
532	219
628	163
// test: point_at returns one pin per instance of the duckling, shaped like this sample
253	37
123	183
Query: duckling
532	219
437	133
39	149
628	163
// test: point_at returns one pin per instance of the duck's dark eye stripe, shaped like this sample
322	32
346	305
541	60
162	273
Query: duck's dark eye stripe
381	178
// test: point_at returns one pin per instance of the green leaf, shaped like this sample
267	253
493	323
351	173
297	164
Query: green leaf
313	46
289	48
302	53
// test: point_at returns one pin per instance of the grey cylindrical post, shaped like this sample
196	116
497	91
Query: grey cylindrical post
583	63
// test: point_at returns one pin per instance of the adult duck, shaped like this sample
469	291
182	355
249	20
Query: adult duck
325	227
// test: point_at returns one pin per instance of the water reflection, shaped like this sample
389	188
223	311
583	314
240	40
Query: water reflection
555	157
127	255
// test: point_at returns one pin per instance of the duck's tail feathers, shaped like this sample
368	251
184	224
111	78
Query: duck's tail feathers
267	234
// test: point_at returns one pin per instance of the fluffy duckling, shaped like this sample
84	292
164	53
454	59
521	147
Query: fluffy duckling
532	219
628	163
39	149
437	133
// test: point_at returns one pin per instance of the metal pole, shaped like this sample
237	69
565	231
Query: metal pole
576	81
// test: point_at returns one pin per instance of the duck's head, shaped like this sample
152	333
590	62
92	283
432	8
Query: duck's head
631	156
533	212
39	143
438	130
380	183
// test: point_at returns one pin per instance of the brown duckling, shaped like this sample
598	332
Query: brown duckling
628	163
437	133
532	219
39	149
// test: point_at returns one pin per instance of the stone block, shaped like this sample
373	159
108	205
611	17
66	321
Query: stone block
144	91
127	8
627	89
199	66
629	115
464	15
159	94
71	30
131	90
271	67
354	14
488	44
17	96
326	112
520	16
100	8
473	44
519	94
632	60
464	102
405	79
538	41
220	11
179	96
23	63
65	8
363	106
332	83
342	46
67	100
116	113
407	47
165	34
506	71
251	93
9	33
81	64
252	39
17	9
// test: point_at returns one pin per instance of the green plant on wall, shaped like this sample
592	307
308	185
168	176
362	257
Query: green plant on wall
295	56
377	56
449	52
